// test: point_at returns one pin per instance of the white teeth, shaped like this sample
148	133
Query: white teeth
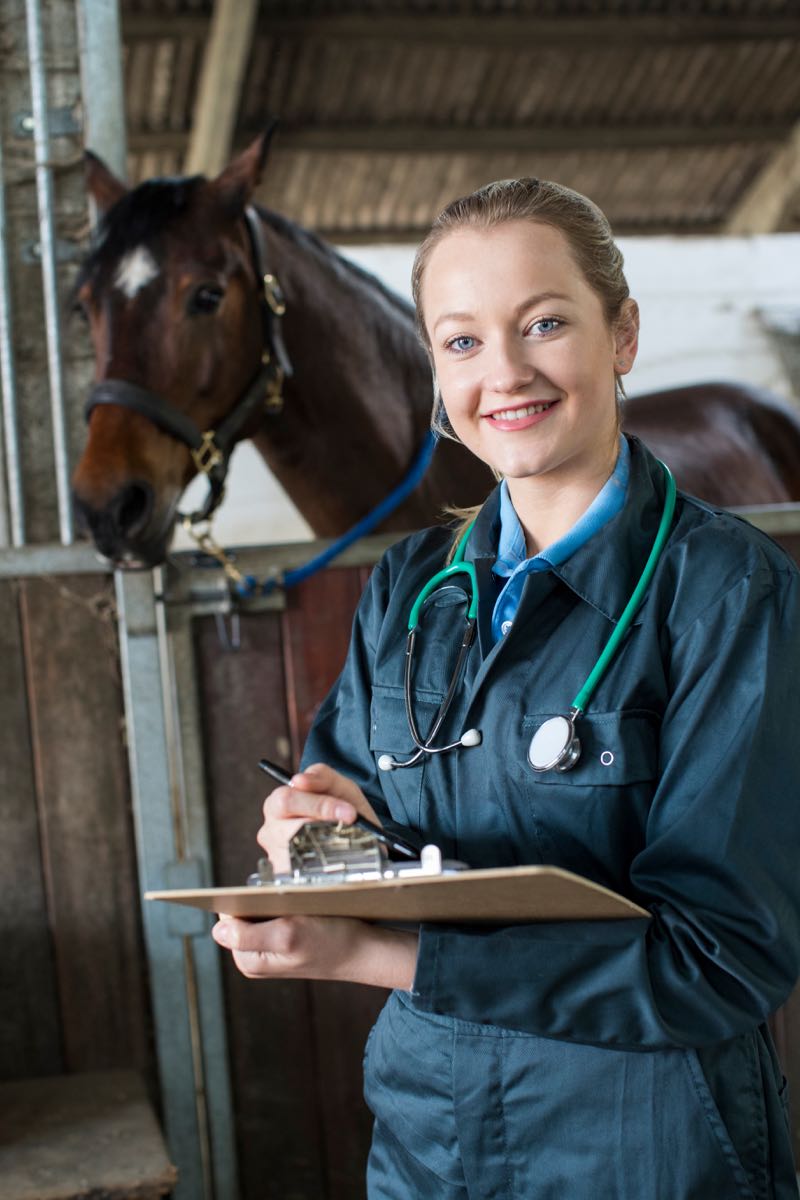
516	414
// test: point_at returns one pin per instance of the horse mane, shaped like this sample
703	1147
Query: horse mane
332	260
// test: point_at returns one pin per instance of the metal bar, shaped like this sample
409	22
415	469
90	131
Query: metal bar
214	1100
102	81
12	503
44	195
161	864
261	561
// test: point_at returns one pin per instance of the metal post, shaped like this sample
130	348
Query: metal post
173	851
47	249
12	504
102	82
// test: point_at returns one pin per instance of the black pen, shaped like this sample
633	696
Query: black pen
392	840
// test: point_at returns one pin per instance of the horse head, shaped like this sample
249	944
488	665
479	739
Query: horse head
177	317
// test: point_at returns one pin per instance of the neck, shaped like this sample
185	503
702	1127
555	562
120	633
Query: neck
353	394
549	505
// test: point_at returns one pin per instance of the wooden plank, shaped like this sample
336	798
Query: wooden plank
29	1021
493	29
761	207
87	840
420	139
272	1065
219	90
316	631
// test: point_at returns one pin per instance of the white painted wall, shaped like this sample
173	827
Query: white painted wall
699	301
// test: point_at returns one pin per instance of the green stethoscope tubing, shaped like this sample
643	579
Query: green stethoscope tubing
456	567
629	612
459	567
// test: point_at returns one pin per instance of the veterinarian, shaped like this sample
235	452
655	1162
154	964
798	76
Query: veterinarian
625	1060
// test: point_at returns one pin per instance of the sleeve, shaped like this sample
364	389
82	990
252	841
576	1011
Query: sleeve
340	733
718	869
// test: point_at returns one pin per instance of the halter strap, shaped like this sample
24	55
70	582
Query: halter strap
211	448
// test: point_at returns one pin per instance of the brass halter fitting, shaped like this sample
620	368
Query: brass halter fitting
273	295
207	455
273	395
207	545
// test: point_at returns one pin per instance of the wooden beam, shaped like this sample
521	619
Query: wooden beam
490	30
421	139
220	86
761	207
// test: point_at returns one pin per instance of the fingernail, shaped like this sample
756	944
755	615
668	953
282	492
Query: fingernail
344	812
222	933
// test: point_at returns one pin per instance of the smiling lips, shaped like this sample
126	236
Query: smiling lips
519	418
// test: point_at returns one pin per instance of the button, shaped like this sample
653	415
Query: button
504	628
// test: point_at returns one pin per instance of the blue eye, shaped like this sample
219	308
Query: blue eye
546	325
460	344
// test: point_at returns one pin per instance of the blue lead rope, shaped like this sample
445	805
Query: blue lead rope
367	523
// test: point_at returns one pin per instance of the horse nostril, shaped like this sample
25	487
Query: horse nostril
132	507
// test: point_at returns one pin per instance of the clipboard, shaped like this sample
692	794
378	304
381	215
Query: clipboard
506	895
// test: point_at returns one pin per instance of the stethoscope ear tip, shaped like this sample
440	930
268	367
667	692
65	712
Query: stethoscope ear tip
471	737
386	763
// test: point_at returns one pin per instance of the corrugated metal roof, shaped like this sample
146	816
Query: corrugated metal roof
663	112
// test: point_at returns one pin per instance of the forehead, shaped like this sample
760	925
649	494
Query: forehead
517	254
129	244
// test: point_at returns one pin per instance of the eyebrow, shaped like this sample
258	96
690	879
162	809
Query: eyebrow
536	298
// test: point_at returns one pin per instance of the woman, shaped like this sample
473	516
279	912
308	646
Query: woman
617	1060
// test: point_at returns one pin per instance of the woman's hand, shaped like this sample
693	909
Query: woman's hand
317	794
320	948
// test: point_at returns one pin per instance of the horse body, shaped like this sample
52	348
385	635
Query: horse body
172	296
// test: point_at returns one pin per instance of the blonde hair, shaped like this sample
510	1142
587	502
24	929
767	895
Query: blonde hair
582	223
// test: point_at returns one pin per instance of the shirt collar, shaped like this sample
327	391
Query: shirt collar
511	548
604	570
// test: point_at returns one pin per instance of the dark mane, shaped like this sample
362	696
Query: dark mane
308	241
138	218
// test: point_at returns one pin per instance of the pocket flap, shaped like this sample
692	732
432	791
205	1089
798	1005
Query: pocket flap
388	726
616	748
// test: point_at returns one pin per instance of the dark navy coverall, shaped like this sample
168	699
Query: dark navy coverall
623	1060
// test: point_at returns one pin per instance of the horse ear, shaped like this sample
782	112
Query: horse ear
236	184
104	187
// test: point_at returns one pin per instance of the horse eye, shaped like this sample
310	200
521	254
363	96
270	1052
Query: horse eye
206	299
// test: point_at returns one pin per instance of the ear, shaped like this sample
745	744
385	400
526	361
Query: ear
104	187
626	337
235	186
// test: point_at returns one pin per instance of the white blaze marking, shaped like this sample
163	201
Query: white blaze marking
135	271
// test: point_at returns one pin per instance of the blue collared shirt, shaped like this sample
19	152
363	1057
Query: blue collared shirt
511	561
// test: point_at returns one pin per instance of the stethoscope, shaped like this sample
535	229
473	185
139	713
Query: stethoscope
555	746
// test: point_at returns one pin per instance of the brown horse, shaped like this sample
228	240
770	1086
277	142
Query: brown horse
177	318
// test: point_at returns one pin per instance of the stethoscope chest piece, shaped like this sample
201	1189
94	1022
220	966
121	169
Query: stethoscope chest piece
555	746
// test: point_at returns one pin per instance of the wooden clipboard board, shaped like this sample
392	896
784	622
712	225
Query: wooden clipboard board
498	895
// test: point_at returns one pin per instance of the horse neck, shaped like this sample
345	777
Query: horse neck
360	393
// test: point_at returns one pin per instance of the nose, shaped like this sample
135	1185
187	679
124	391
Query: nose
121	520
509	365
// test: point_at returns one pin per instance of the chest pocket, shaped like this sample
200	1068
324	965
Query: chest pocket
617	749
592	819
389	734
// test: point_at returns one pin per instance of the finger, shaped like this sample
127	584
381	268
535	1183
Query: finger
320	778
286	803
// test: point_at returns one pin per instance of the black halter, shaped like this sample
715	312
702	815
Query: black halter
211	448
